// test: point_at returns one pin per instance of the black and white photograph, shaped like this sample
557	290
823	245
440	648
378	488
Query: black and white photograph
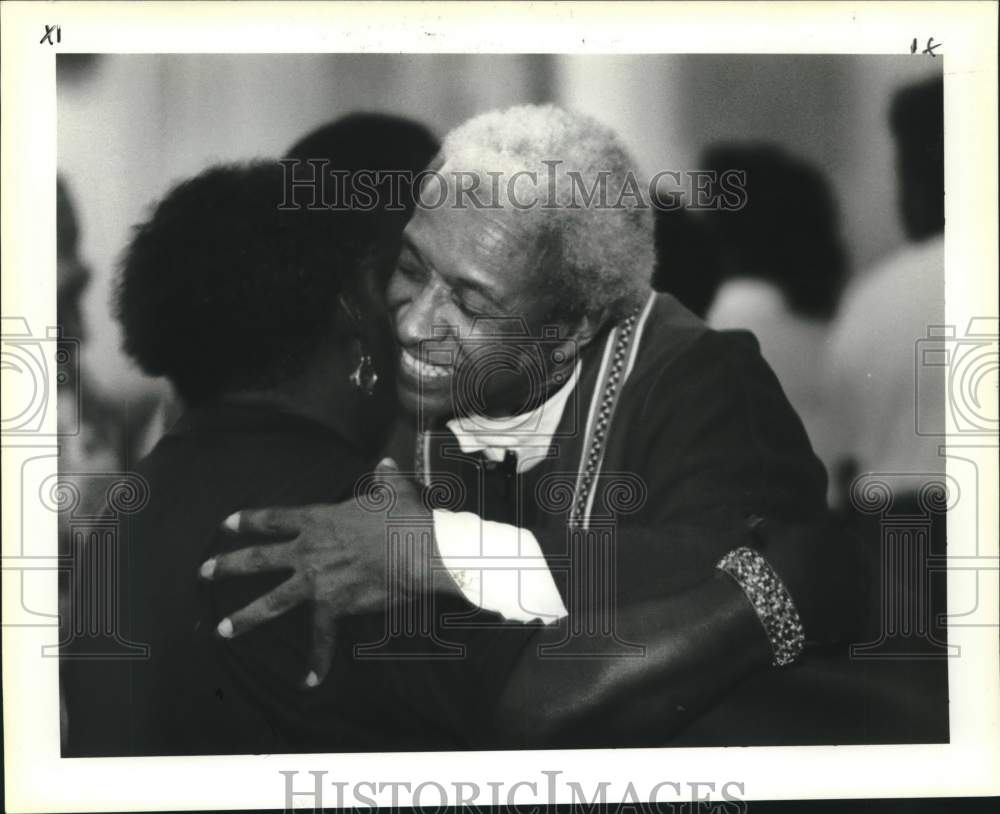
408	404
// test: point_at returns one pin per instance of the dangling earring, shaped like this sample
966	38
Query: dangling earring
365	376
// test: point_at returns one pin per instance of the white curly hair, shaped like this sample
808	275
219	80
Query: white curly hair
598	257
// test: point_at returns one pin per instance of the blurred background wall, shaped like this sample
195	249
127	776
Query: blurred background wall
131	125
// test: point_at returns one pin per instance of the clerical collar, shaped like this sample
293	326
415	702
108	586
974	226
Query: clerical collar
528	435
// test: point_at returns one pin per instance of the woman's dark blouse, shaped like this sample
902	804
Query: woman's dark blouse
198	694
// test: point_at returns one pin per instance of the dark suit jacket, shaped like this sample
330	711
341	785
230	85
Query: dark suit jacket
702	447
702	433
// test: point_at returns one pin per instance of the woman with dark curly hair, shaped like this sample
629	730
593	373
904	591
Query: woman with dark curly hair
264	320
230	296
250	312
784	264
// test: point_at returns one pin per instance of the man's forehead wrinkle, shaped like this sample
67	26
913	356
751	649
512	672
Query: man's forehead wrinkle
438	246
496	233
504	251
488	232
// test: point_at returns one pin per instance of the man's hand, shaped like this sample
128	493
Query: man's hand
338	556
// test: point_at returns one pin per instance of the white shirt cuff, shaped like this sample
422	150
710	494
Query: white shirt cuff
498	567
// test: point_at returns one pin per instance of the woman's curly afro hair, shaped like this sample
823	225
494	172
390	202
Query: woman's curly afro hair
222	290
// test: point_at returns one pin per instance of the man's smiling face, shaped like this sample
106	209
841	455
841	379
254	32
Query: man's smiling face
465	290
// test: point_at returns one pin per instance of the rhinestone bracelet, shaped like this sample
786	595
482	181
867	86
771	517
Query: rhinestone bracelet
771	601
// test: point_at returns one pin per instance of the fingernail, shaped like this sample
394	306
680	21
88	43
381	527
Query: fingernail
387	463
232	522
225	629
312	680
207	570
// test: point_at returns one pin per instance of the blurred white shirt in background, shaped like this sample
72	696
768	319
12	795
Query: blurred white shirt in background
794	347
873	364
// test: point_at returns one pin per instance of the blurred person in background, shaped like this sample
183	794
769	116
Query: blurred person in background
890	403
888	309
373	142
784	266
849	372
98	437
100	443
688	261
89	440
112	432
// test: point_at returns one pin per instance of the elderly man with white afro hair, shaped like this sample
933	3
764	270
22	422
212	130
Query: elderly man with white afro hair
571	178
605	457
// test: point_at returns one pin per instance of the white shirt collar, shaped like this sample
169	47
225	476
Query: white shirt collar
528	435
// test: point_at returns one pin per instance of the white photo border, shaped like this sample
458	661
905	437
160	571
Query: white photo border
37	779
